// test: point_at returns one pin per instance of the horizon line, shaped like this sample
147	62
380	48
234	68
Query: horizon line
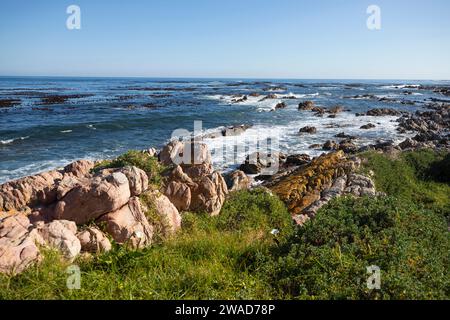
225	78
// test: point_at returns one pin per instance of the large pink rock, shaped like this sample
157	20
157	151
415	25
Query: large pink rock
89	201
25	192
61	235
18	244
210	194
137	179
128	225
80	168
179	194
237	180
168	216
187	153
92	240
171	152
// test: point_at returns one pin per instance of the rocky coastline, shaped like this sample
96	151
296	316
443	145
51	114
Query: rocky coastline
84	207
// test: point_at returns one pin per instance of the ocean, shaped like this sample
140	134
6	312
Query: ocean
54	121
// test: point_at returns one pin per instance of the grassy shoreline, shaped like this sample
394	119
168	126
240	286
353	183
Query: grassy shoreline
235	256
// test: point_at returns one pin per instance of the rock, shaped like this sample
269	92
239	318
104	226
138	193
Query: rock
306	105
408	144
171	152
194	171
237	180
235	130
169	219
330	145
61	235
315	146
378	112
345	136
239	99
347	146
303	187
359	185
195	153
266	163
179	194
26	192
8	103
80	168
210	194
92	240
280	105
137	179
152	152
297	160
89	201
18	244
128	225
336	109
308	129
336	190
368	126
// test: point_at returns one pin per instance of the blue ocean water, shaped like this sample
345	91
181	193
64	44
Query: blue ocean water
104	117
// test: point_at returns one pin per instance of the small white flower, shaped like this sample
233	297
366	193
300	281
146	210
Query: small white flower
275	232
139	234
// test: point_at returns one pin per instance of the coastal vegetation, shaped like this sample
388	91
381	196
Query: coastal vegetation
251	250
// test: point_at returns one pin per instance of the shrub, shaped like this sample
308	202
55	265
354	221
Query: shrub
327	259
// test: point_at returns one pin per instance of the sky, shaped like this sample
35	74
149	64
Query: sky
295	39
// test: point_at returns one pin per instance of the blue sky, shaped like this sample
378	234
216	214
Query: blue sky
232	38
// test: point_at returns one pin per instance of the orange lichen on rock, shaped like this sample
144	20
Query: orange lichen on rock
304	186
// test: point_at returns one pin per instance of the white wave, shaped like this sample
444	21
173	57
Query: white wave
230	151
9	141
66	131
402	86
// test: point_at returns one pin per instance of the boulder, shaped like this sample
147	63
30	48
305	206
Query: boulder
80	168
179	194
408	144
330	145
92	240
297	160
128	225
308	129
237	180
266	163
18	244
210	194
347	146
169	219
171	152
61	235
336	109
306	105
368	126
89	201
23	193
359	185
235	130
378	112
280	105
137	179
304	186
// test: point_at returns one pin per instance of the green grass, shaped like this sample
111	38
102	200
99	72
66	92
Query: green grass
418	177
207	260
234	255
143	161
